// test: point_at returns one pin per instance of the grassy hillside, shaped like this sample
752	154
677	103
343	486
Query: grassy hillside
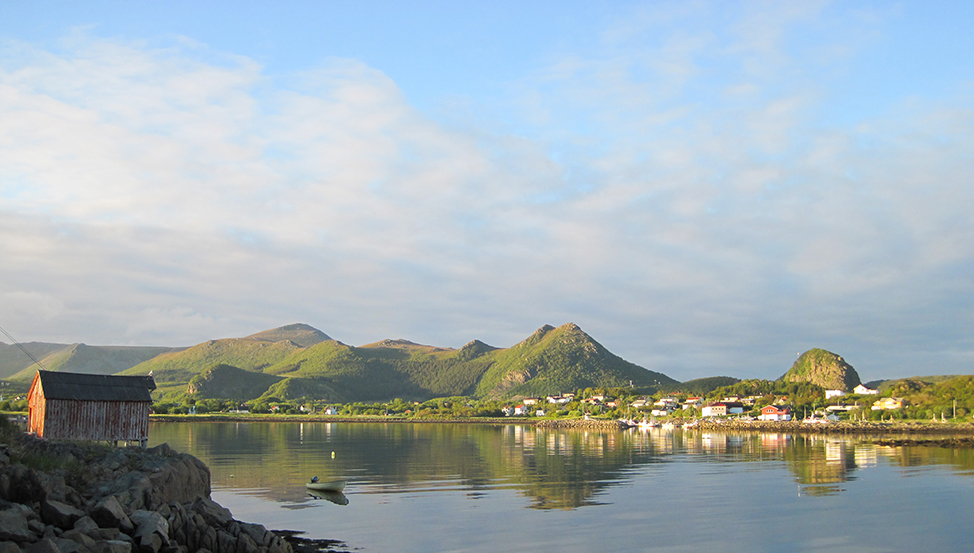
298	388
13	360
228	382
823	368
299	361
885	386
81	358
301	334
934	396
554	360
702	386
243	353
387	369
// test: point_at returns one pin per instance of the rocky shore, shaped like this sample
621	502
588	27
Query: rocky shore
70	498
841	427
732	424
580	423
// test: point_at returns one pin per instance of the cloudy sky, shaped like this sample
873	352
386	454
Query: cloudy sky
704	187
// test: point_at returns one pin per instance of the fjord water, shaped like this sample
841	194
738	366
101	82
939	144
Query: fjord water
484	488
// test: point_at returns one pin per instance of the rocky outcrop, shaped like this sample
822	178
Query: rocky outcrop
92	499
823	368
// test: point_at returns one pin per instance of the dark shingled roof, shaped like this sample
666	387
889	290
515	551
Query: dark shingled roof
95	387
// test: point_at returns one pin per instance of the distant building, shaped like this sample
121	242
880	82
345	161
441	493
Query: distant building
714	410
95	407
829	394
734	407
864	391
888	403
775	413
561	399
692	402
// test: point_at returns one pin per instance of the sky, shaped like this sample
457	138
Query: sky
706	188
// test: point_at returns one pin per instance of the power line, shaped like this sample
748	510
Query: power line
22	348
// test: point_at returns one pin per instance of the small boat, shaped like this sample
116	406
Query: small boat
651	423
327	486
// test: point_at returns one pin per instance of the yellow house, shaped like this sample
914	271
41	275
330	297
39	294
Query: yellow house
888	403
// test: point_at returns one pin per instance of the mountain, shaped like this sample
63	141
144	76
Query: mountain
307	363
702	386
554	360
76	358
226	382
13	359
301	334
823	368
387	369
252	353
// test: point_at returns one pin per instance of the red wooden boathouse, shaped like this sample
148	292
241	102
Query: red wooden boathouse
96	407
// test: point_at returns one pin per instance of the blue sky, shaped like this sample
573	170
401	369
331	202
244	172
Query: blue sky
705	187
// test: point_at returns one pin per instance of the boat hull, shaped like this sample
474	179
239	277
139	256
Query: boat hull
330	486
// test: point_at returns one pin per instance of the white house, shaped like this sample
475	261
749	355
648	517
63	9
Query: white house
864	391
829	394
693	402
714	410
666	402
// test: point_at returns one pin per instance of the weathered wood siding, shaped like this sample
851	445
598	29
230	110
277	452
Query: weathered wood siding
67	419
35	410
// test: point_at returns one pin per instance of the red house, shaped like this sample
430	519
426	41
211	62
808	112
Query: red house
96	407
775	413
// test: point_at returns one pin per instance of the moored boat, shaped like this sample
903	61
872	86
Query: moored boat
327	486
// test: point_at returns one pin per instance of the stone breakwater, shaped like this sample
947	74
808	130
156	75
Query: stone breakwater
580	423
68	498
842	427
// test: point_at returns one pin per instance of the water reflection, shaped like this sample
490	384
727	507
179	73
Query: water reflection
552	468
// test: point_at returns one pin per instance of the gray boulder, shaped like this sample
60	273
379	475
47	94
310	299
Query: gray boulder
108	513
60	514
14	525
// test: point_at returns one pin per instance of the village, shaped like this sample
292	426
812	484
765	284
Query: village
754	407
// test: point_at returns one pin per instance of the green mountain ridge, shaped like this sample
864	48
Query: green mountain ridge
76	358
562	359
228	382
298	361
308	363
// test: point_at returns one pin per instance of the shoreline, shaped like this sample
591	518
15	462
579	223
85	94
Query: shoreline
793	427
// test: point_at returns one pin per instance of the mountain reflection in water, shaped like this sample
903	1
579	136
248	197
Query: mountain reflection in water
555	468
472	487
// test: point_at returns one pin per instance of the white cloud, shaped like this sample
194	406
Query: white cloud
673	194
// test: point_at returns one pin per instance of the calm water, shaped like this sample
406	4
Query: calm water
429	488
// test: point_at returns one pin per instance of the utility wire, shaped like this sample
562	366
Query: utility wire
22	348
